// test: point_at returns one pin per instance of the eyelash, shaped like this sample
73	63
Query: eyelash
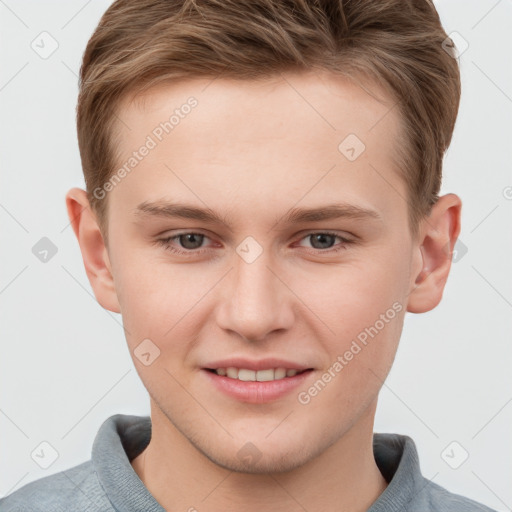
165	242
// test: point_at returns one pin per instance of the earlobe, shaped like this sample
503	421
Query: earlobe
94	252
434	250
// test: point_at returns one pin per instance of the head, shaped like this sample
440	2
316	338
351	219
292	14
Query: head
257	113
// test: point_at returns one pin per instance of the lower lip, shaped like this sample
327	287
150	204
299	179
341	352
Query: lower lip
255	392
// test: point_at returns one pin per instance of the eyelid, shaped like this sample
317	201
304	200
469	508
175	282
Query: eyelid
327	231
344	239
298	236
169	233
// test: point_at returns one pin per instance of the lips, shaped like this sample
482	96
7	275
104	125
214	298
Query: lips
257	392
256	381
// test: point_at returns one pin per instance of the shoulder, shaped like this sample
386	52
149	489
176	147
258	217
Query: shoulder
77	489
408	490
440	499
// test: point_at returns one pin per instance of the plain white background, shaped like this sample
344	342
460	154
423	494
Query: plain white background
64	365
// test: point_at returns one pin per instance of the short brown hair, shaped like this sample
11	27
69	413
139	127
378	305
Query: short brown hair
398	44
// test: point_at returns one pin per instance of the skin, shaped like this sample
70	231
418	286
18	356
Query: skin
251	151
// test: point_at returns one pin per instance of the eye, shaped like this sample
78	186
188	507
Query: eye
321	240
189	242
324	241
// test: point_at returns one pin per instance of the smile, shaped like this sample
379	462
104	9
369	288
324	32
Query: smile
246	375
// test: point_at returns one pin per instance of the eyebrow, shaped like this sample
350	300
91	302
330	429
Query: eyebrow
294	215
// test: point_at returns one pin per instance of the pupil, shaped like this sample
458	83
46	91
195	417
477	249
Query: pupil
185	239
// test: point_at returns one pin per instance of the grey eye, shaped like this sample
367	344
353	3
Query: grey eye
322	240
191	240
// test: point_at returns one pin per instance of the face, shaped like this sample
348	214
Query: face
304	260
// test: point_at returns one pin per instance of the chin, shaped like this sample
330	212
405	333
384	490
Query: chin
261	457
262	464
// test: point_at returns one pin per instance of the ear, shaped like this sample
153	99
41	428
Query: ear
94	253
439	232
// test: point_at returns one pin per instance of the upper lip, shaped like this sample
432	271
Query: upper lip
262	364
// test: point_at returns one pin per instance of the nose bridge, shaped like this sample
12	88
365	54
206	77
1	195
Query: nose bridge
256	302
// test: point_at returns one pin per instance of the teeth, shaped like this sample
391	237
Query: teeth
263	375
246	375
279	373
232	373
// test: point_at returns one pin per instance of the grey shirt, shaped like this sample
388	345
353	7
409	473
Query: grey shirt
107	482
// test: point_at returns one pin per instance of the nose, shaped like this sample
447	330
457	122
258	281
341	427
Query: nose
256	300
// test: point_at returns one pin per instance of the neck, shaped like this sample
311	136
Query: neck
345	477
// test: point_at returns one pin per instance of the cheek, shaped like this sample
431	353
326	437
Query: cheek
147	294
161	301
159	317
353	295
361	308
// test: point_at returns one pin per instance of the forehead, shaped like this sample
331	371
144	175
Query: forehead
325	102
305	133
314	89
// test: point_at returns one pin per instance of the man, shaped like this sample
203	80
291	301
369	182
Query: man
262	208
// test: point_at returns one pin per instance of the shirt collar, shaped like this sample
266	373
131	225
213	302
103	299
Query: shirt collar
119	440
397	459
122	437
